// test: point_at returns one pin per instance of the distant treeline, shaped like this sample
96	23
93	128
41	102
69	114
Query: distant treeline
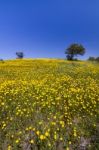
93	59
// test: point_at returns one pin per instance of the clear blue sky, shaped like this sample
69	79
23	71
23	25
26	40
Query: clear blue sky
44	28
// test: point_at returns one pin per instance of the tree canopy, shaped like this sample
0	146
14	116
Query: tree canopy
74	50
20	55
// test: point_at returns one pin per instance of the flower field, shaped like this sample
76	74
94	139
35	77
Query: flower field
48	104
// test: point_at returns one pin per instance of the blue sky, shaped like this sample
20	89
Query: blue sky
44	28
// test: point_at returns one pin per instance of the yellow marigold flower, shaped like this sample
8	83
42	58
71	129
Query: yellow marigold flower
94	125
32	141
69	142
55	136
54	117
61	138
62	125
38	132
20	132
11	119
47	134
42	137
49	145
33	129
4	125
12	136
17	141
53	123
48	130
40	123
2	103
75	134
30	128
9	147
26	129
67	148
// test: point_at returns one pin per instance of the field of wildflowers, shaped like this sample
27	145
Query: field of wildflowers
49	105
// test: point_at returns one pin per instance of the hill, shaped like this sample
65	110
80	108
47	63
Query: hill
49	104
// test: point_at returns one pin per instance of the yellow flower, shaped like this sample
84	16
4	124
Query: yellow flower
38	132
54	117
12	136
47	134
9	147
42	137
61	138
32	141
30	128
2	103
53	123
67	148
33	129
75	134
27	129
55	136
17	141
20	132
49	145
69	142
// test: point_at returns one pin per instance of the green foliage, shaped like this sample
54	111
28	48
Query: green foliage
97	59
93	59
1	60
20	55
74	50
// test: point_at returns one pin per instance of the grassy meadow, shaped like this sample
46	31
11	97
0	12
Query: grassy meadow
49	104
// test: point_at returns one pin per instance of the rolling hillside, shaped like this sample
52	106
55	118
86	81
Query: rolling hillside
49	104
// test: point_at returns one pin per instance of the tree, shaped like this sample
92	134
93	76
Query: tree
1	60
20	55
74	50
97	59
91	58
